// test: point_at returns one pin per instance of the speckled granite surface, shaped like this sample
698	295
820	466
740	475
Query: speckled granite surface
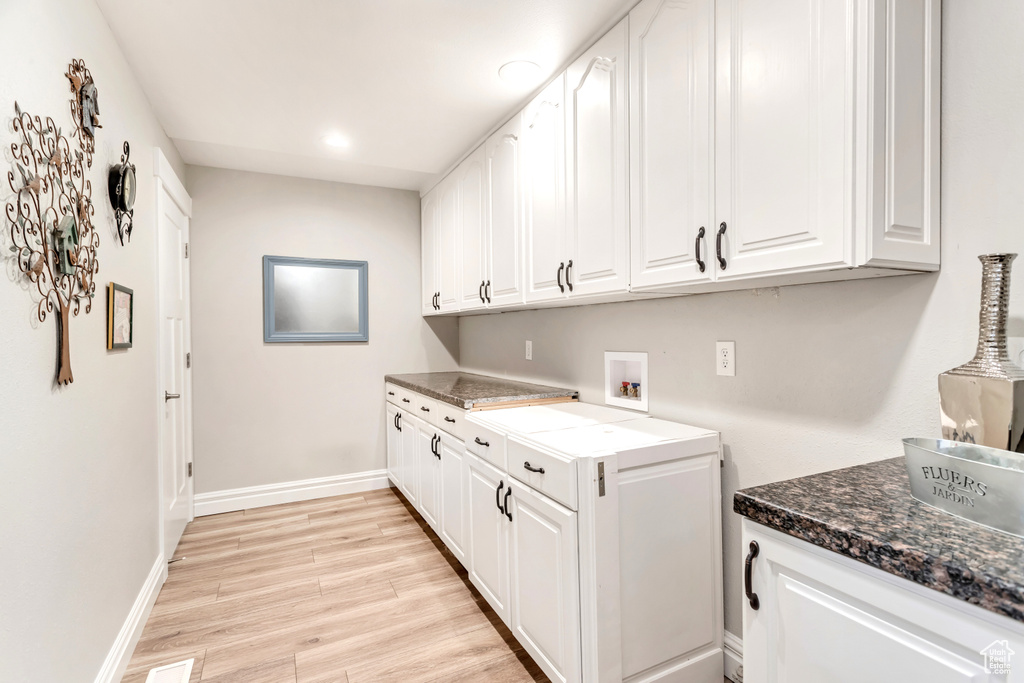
465	390
867	513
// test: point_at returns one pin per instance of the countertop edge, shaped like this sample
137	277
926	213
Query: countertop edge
469	404
944	576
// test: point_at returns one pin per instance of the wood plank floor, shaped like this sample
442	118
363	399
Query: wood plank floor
347	589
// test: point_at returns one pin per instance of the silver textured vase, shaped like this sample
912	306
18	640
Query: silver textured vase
982	401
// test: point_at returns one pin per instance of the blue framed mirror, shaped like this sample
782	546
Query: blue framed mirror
314	300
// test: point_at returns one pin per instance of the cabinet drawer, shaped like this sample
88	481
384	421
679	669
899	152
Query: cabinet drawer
425	408
404	398
451	420
392	394
488	444
558	479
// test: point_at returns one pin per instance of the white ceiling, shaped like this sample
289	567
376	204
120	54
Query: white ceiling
256	84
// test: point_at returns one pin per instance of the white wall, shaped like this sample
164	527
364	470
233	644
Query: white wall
78	512
827	375
274	413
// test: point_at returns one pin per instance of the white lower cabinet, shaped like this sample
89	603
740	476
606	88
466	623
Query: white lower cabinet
394	443
427	471
408	477
545	581
824	617
453	491
488	534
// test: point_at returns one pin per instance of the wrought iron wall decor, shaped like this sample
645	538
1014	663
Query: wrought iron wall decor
121	186
50	216
85	107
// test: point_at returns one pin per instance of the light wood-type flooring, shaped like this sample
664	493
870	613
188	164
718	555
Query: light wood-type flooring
347	589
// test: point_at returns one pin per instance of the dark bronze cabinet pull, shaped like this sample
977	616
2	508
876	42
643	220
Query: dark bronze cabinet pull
480	291
432	440
482	443
497	496
391	393
748	571
538	470
425	409
487	291
398	421
508	510
449	419
696	248
405	400
718	245
561	287
568	279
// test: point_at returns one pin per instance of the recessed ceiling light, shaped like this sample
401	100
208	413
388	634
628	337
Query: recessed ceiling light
520	73
335	140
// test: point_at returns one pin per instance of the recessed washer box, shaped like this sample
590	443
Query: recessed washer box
631	368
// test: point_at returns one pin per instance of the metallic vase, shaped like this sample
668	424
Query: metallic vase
982	401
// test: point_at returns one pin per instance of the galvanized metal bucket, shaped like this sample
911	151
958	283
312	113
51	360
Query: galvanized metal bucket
977	483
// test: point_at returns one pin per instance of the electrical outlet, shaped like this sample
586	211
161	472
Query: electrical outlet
725	358
529	350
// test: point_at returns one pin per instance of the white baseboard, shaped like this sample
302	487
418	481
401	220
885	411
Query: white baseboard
121	652
733	656
230	500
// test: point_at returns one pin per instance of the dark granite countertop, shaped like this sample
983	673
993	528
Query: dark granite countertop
465	390
867	513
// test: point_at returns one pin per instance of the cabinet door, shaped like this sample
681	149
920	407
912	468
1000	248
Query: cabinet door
504	217
449	268
818	619
598	174
472	184
544	193
671	67
394	438
488	534
545	582
408	477
427	472
454	517
784	135
429	245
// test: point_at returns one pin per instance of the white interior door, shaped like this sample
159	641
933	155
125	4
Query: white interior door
175	390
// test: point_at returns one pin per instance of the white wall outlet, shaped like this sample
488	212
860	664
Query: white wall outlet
725	358
529	350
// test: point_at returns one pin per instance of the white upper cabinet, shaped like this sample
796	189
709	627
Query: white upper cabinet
504	243
472	183
597	167
671	110
449	266
826	135
429	251
543	181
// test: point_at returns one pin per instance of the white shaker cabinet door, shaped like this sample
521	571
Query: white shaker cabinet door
488	534
454	498
472	183
449	268
544	216
598	174
394	438
671	89
785	74
429	251
504	262
408	477
545	582
427	472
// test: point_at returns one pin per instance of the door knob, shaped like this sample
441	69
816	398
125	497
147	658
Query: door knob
168	396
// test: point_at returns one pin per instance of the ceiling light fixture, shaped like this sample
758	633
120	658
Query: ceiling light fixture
335	140
520	73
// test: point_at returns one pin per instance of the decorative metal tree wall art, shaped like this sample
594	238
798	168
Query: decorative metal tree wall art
50	220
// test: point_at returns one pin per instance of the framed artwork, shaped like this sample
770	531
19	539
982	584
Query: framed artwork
314	300
120	305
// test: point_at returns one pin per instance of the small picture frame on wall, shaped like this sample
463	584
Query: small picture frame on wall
120	320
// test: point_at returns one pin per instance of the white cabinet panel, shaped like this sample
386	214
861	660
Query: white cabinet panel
429	251
785	135
454	499
819	617
488	534
545	582
598	175
472	183
428	472
504	284
543	172
408	470
671	62
394	444
449	267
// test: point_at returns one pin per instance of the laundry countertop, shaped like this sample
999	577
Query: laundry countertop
467	390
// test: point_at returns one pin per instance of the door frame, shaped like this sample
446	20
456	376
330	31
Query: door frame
168	185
